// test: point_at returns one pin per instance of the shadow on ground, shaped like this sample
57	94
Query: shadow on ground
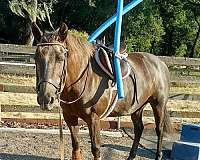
142	152
6	156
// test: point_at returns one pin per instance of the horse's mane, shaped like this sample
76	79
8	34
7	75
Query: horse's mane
75	44
78	45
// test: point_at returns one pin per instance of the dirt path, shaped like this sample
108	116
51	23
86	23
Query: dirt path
32	146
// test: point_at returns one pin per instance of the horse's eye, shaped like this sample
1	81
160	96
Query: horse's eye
60	59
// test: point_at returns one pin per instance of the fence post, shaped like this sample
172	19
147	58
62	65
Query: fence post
0	112
118	123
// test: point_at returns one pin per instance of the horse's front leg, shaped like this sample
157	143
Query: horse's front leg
93	123
72	123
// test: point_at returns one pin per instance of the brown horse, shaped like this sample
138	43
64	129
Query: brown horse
66	69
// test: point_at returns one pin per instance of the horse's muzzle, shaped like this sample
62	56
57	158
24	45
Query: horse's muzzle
45	102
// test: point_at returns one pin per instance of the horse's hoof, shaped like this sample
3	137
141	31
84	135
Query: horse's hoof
97	158
131	157
159	156
76	155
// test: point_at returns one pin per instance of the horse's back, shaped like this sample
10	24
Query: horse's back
150	71
149	63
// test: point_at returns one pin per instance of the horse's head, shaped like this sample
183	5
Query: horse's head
50	60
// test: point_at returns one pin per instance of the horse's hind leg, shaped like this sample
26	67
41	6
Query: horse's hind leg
72	123
159	110
138	129
93	123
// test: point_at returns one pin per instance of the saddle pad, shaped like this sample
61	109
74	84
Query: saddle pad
105	61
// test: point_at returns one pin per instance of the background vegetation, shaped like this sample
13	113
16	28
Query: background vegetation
161	27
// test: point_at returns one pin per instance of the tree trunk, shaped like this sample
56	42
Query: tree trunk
27	38
191	54
29	18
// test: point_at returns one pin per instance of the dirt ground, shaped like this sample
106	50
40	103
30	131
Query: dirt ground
35	146
32	146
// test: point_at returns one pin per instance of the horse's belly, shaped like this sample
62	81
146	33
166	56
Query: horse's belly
123	108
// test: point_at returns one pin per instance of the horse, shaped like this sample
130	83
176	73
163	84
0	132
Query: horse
66	70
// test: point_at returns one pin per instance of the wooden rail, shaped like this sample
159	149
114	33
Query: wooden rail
177	76
16	49
12	49
180	61
177	117
183	70
17	68
31	89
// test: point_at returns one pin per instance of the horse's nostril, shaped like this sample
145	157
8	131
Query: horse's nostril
51	100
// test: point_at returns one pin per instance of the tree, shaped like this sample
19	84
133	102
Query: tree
171	14
193	6
84	15
180	27
9	32
164	27
143	28
31	10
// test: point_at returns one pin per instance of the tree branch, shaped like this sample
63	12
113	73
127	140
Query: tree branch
193	3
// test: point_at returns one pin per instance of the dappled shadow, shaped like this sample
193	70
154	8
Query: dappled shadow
184	96
7	156
117	147
142	152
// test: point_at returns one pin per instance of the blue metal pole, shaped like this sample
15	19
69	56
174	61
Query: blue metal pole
118	74
112	19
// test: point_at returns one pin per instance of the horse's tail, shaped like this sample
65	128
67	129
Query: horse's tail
168	128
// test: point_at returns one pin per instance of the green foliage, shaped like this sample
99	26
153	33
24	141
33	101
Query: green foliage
161	27
84	15
82	34
197	49
34	9
181	51
144	28
179	25
21	7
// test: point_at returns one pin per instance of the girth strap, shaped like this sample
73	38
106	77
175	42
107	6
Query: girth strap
111	104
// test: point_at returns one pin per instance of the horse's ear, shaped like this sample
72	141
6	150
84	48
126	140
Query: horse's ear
63	30
123	45
36	31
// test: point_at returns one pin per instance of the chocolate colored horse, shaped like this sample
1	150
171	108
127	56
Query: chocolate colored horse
66	70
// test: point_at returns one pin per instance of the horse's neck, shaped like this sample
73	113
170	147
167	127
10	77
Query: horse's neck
80	54
77	68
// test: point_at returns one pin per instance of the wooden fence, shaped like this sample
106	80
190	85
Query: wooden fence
18	60
183	70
